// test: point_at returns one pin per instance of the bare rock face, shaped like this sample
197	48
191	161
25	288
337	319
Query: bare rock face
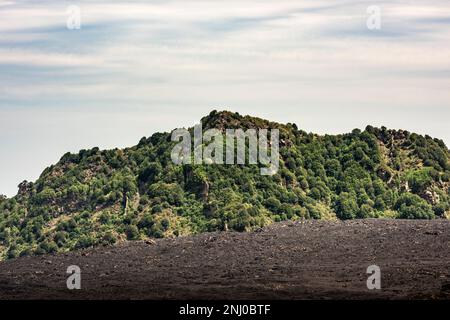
405	187
205	191
431	197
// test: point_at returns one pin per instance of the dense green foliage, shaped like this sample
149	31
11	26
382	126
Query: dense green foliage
100	197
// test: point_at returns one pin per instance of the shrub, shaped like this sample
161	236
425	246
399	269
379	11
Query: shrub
85	215
60	238
47	247
419	180
273	204
165	224
68	226
157	209
132	232
440	209
146	221
105	218
156	231
26	252
84	242
108	239
171	193
12	252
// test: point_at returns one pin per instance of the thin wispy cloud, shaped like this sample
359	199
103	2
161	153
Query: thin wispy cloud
285	60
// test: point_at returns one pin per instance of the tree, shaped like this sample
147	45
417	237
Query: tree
146	222
45	196
380	205
150	173
156	231
411	206
170	192
273	204
366	211
346	206
157	209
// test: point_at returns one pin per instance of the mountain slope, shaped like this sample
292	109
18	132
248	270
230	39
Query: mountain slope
103	196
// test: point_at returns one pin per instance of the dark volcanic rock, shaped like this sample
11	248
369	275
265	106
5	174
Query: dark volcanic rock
293	260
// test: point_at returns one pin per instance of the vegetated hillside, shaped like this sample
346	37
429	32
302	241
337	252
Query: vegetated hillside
100	197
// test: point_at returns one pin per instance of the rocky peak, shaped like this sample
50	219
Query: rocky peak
233	120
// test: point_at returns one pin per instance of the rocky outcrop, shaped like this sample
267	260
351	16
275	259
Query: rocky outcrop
25	189
431	196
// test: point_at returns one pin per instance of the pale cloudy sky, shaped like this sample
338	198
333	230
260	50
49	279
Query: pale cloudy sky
138	67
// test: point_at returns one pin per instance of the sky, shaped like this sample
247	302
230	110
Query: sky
138	67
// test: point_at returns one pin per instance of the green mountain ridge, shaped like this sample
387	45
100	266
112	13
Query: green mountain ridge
99	197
